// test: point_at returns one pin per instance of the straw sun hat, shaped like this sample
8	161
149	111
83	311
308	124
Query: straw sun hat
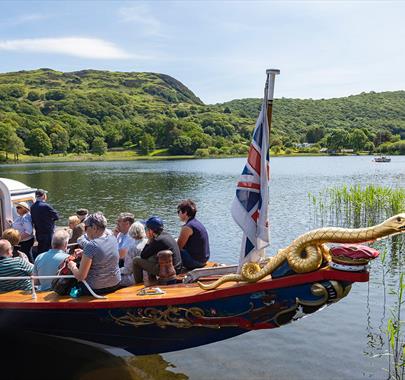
23	204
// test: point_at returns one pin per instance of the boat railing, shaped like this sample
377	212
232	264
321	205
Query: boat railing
33	278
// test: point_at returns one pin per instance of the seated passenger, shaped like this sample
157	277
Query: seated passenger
46	264
13	267
124	222
77	227
82	214
158	240
193	240
14	237
75	230
136	232
99	262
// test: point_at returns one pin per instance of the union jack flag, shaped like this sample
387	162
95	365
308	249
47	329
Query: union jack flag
250	205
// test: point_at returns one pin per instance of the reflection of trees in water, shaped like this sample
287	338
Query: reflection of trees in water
154	367
112	190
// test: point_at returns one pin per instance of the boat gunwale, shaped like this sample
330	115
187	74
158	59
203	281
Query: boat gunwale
65	302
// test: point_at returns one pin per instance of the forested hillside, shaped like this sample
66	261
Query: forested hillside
45	111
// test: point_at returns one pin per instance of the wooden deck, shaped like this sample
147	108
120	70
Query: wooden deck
174	294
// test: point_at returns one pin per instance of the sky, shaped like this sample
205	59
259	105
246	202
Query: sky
218	49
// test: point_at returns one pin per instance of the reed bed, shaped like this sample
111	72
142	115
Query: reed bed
355	206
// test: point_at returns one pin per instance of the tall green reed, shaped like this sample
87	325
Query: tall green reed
355	206
396	341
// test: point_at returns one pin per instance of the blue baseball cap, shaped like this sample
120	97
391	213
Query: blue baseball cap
155	224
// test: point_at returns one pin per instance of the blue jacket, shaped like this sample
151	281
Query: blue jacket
43	217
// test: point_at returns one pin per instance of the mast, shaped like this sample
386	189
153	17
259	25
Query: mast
269	91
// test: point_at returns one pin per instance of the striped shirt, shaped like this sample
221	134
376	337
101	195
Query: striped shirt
13	267
104	271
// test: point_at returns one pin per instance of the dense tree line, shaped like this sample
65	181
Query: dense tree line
45	111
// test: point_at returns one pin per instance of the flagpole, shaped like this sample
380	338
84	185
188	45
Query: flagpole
269	89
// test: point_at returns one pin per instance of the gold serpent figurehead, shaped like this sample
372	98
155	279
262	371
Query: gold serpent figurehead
307	252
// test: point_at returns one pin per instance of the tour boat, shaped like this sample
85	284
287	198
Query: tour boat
173	317
212	303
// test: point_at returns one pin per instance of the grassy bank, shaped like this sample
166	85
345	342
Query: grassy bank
128	155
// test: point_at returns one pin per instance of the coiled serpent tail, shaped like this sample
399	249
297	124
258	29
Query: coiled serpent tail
306	253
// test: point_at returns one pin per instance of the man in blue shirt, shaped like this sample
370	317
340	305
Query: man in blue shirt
43	218
47	263
124	222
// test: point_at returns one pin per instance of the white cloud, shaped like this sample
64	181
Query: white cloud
23	19
93	48
30	17
140	14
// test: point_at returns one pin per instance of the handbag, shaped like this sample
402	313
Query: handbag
62	286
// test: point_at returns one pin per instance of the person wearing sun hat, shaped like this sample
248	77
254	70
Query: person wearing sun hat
43	217
23	223
158	240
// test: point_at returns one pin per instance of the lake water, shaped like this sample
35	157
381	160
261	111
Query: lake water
344	341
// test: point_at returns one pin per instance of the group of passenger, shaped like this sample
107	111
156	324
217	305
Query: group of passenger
109	259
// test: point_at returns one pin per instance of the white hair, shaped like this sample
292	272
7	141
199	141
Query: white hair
137	231
60	238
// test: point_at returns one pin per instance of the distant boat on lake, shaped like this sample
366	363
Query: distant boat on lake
382	159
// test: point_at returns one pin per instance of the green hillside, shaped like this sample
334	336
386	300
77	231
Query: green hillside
45	111
381	116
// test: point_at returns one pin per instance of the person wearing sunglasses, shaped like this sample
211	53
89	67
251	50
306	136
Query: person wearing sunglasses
23	223
99	262
193	239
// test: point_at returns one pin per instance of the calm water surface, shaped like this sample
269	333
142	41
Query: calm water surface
344	341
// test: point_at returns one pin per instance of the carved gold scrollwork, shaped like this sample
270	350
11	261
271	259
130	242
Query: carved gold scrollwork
172	316
179	317
332	292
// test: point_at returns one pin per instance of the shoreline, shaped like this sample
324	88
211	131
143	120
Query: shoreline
131	156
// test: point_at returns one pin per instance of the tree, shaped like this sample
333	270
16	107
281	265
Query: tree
113	134
337	139
33	95
147	143
59	139
314	134
182	145
6	130
54	95
16	146
358	140
369	147
38	142
78	145
99	146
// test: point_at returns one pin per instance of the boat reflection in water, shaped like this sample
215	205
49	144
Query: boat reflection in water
50	357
